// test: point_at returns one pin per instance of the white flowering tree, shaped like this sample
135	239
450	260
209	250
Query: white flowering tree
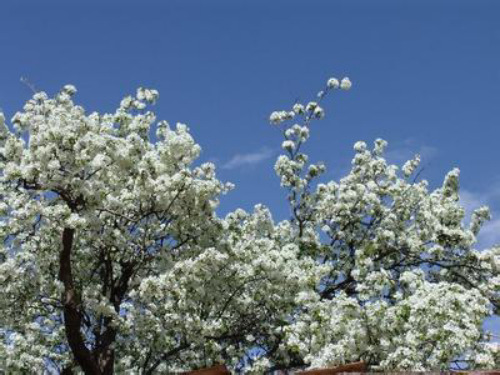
113	259
405	287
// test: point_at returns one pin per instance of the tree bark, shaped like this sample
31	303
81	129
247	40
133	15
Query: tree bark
71	304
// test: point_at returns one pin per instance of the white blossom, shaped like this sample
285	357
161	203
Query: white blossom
112	249
311	106
411	165
278	117
319	112
288	145
298	108
333	83
345	83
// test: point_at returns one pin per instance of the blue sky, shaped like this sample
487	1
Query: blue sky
426	78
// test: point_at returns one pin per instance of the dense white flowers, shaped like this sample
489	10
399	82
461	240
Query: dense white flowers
114	260
280	116
298	108
344	84
96	187
411	165
288	145
406	289
147	95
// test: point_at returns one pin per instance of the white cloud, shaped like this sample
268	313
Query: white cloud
470	201
490	232
252	158
407	149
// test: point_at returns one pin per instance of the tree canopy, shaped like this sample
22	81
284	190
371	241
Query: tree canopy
114	259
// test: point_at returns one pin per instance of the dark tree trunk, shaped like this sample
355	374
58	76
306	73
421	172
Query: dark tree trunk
71	305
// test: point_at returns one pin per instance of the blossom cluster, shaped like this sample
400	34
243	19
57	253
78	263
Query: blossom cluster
114	258
406	289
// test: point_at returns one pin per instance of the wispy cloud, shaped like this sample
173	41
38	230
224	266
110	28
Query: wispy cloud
490	233
470	201
406	150
248	159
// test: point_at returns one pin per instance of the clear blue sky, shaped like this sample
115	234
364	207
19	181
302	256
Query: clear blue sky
426	78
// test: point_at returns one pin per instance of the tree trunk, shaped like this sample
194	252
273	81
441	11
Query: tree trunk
71	304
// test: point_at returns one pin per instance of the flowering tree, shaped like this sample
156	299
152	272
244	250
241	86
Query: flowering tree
114	260
405	289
